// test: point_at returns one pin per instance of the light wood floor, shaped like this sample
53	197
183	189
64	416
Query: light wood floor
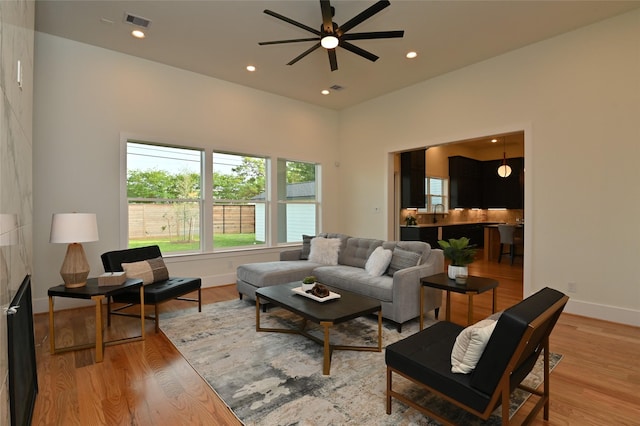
149	383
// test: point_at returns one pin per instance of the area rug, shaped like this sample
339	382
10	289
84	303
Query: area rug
276	379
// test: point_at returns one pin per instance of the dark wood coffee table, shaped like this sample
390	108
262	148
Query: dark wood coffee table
473	286
349	306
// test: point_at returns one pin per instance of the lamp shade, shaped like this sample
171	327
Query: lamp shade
73	228
504	171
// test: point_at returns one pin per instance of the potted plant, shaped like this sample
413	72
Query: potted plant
460	253
308	283
410	220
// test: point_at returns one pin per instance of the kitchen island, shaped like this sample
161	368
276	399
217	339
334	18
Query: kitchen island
432	232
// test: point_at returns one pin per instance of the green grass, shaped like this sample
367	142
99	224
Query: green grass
219	241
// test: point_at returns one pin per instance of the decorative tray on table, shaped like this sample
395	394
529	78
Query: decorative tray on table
301	292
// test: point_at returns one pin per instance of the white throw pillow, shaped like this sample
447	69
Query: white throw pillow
324	250
469	346
378	261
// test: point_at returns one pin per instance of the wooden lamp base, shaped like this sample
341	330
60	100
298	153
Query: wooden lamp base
75	268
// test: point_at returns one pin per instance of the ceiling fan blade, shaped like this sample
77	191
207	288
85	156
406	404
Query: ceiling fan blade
362	16
327	16
372	35
292	22
296	40
333	59
303	54
358	51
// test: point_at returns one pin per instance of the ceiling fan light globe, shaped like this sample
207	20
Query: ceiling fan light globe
504	171
329	42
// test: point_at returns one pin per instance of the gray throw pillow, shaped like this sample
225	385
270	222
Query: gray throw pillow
306	247
402	259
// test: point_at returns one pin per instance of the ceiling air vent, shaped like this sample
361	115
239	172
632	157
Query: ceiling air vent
136	20
336	87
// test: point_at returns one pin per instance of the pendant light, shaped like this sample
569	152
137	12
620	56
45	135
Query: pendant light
504	170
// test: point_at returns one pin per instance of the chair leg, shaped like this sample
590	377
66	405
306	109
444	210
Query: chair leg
437	312
157	317
109	311
199	300
500	255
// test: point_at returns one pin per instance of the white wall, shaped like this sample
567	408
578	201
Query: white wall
577	97
86	97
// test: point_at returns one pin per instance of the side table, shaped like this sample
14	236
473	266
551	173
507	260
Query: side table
475	285
96	293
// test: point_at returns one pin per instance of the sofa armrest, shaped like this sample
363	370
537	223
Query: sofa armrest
406	284
290	254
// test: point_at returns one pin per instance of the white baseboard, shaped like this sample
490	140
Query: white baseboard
603	312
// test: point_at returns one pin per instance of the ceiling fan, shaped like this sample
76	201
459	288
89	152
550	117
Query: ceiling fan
332	35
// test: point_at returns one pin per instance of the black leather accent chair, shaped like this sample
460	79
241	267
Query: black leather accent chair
154	294
520	336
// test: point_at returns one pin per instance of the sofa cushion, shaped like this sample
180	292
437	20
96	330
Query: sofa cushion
469	346
263	274
356	280
306	246
324	250
420	247
402	259
378	262
357	251
342	237
149	271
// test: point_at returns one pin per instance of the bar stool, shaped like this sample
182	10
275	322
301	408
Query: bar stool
508	236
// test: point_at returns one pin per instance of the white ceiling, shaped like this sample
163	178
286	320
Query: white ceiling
220	38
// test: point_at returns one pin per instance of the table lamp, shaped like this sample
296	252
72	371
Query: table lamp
74	229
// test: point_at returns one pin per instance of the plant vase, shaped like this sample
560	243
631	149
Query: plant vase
307	287
454	271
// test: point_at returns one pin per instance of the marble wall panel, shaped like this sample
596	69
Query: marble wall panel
16	211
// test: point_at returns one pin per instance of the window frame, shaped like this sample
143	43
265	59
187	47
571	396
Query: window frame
207	201
282	202
428	208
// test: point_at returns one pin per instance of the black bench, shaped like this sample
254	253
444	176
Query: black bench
154	294
521	334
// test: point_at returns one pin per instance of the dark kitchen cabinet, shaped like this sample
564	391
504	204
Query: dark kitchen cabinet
499	192
427	234
465	182
412	171
476	184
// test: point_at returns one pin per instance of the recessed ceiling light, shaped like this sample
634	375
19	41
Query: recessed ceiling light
137	34
494	140
251	68
412	55
325	92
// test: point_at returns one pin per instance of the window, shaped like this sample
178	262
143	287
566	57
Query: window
164	197
239	200
188	200
437	193
297	200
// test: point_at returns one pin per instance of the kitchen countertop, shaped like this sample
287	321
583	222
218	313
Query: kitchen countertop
438	224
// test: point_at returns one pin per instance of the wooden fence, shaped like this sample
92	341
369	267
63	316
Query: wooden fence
180	221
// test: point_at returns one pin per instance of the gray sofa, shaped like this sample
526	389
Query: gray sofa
398	292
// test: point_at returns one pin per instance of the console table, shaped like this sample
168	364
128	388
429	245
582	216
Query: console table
96	293
474	286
